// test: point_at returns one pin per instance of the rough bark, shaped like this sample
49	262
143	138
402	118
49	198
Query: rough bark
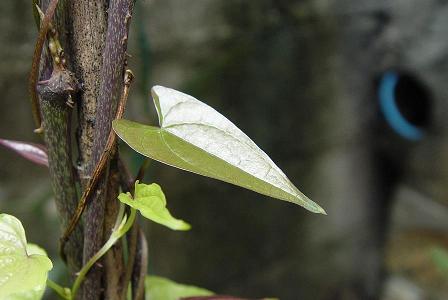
95	40
87	32
87	29
111	76
56	123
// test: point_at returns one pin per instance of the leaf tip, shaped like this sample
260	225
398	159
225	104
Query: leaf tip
315	208
322	211
183	226
302	200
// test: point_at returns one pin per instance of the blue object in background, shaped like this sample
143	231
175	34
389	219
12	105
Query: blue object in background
388	106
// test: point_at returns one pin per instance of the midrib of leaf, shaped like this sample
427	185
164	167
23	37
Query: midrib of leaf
160	133
210	173
169	110
157	207
243	139
268	163
183	164
158	109
251	145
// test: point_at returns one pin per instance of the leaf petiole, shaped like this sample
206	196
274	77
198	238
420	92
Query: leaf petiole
63	292
118	232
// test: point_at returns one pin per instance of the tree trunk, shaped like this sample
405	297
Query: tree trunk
93	34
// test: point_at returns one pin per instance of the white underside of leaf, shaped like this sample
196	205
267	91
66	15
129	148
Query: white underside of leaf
201	125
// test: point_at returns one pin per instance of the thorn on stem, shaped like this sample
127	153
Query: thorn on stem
39	130
128	77
70	103
127	18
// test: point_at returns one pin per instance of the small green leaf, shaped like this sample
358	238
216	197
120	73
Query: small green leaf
23	267
151	202
196	138
159	288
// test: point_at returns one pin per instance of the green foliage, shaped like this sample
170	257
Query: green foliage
159	288
196	138
440	259
23	267
151	202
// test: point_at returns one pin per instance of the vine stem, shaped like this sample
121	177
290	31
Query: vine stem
63	292
100	166
44	27
133	235
117	233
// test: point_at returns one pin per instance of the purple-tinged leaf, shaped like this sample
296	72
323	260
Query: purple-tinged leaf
33	152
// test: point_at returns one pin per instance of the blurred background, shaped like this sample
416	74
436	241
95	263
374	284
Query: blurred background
349	98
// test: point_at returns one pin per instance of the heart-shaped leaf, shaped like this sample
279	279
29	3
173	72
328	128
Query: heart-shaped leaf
151	202
33	152
159	288
23	268
196	138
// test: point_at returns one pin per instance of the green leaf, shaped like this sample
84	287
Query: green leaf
196	138
151	202
159	288
23	267
439	256
35	249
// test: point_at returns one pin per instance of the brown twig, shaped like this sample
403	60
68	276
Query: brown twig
101	164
